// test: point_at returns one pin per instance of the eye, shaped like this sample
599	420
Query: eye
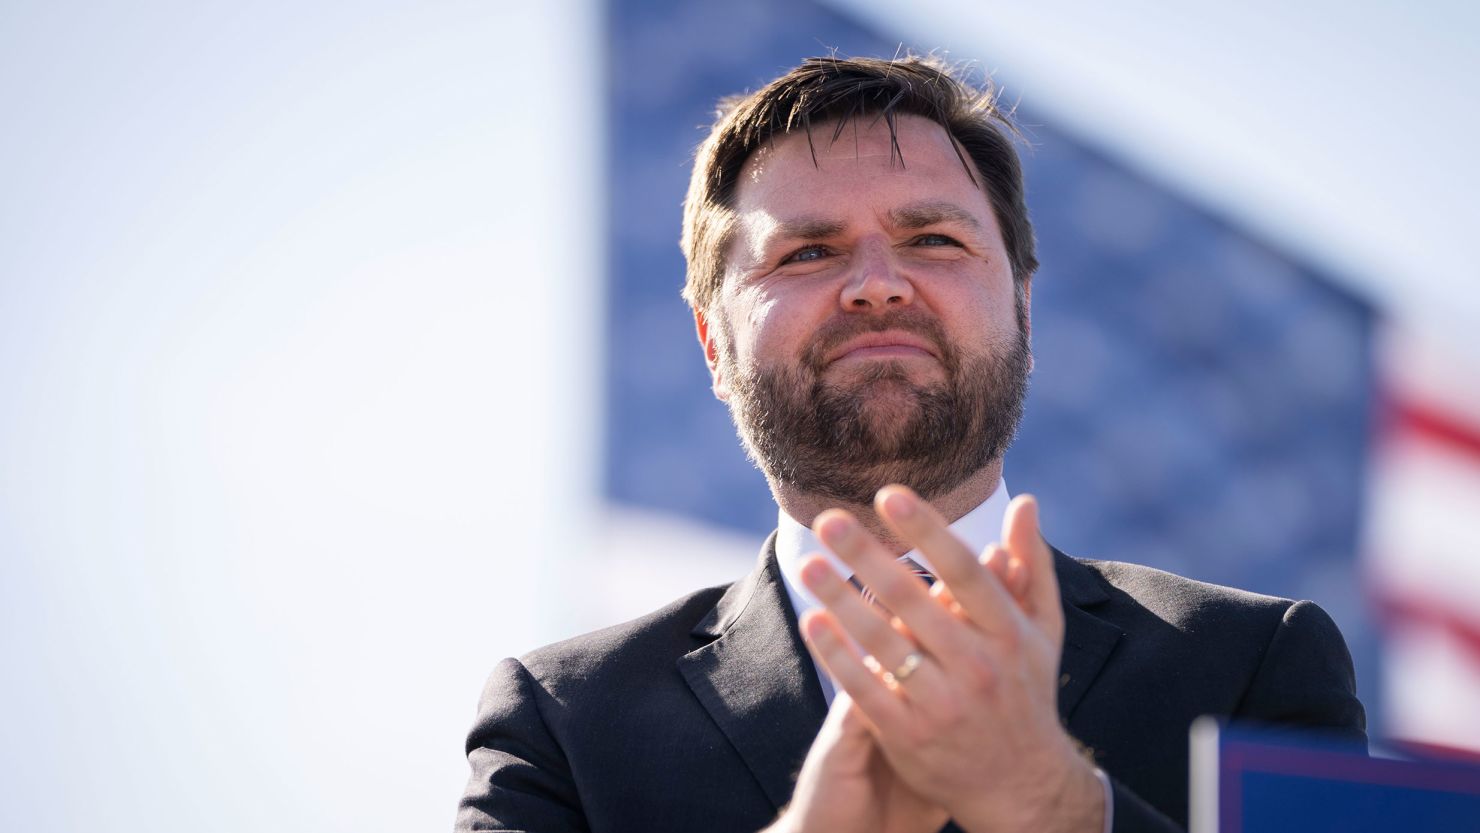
806	254
935	240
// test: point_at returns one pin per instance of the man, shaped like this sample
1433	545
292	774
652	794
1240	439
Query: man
860	264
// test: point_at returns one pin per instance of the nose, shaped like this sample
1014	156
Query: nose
877	283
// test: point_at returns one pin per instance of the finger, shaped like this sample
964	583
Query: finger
852	720
1017	579
1021	535
978	591
1008	570
843	744
891	583
891	653
922	622
865	623
827	641
844	723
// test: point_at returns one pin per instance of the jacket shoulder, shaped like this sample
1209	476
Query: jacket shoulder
1285	660
1179	600
650	642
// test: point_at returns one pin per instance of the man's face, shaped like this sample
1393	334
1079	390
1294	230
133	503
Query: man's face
867	331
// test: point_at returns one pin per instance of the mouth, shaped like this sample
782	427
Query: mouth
890	344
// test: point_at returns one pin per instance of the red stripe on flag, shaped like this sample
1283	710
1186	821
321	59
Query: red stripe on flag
1398	611
1412	418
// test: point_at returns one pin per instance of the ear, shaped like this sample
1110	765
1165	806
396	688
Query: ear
706	335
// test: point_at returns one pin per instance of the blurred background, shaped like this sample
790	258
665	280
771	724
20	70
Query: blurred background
341	355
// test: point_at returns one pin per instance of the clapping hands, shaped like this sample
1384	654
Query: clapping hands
950	692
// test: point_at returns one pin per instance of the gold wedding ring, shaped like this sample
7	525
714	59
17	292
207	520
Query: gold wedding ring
909	666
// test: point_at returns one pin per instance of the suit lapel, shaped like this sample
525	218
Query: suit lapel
1088	639
756	678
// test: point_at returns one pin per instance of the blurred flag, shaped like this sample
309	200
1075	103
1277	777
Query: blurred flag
1423	540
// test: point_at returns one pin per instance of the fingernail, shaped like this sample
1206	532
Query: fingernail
989	555
815	572
835	529
899	505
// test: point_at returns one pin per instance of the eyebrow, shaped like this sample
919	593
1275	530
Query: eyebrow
809	228
922	214
913	216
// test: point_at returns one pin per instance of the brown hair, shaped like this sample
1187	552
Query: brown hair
836	90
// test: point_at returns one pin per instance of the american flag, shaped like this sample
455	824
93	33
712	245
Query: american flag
1423	540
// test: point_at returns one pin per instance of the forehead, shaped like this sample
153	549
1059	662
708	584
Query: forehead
863	158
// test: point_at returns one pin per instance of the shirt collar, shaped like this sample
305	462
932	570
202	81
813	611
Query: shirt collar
794	542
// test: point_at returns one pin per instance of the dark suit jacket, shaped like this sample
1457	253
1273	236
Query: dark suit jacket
697	717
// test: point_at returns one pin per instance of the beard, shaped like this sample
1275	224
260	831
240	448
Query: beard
845	440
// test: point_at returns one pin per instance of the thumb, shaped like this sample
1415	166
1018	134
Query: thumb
847	720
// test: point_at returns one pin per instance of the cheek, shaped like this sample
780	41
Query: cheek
981	317
761	327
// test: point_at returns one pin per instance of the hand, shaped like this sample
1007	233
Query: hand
974	727
846	784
